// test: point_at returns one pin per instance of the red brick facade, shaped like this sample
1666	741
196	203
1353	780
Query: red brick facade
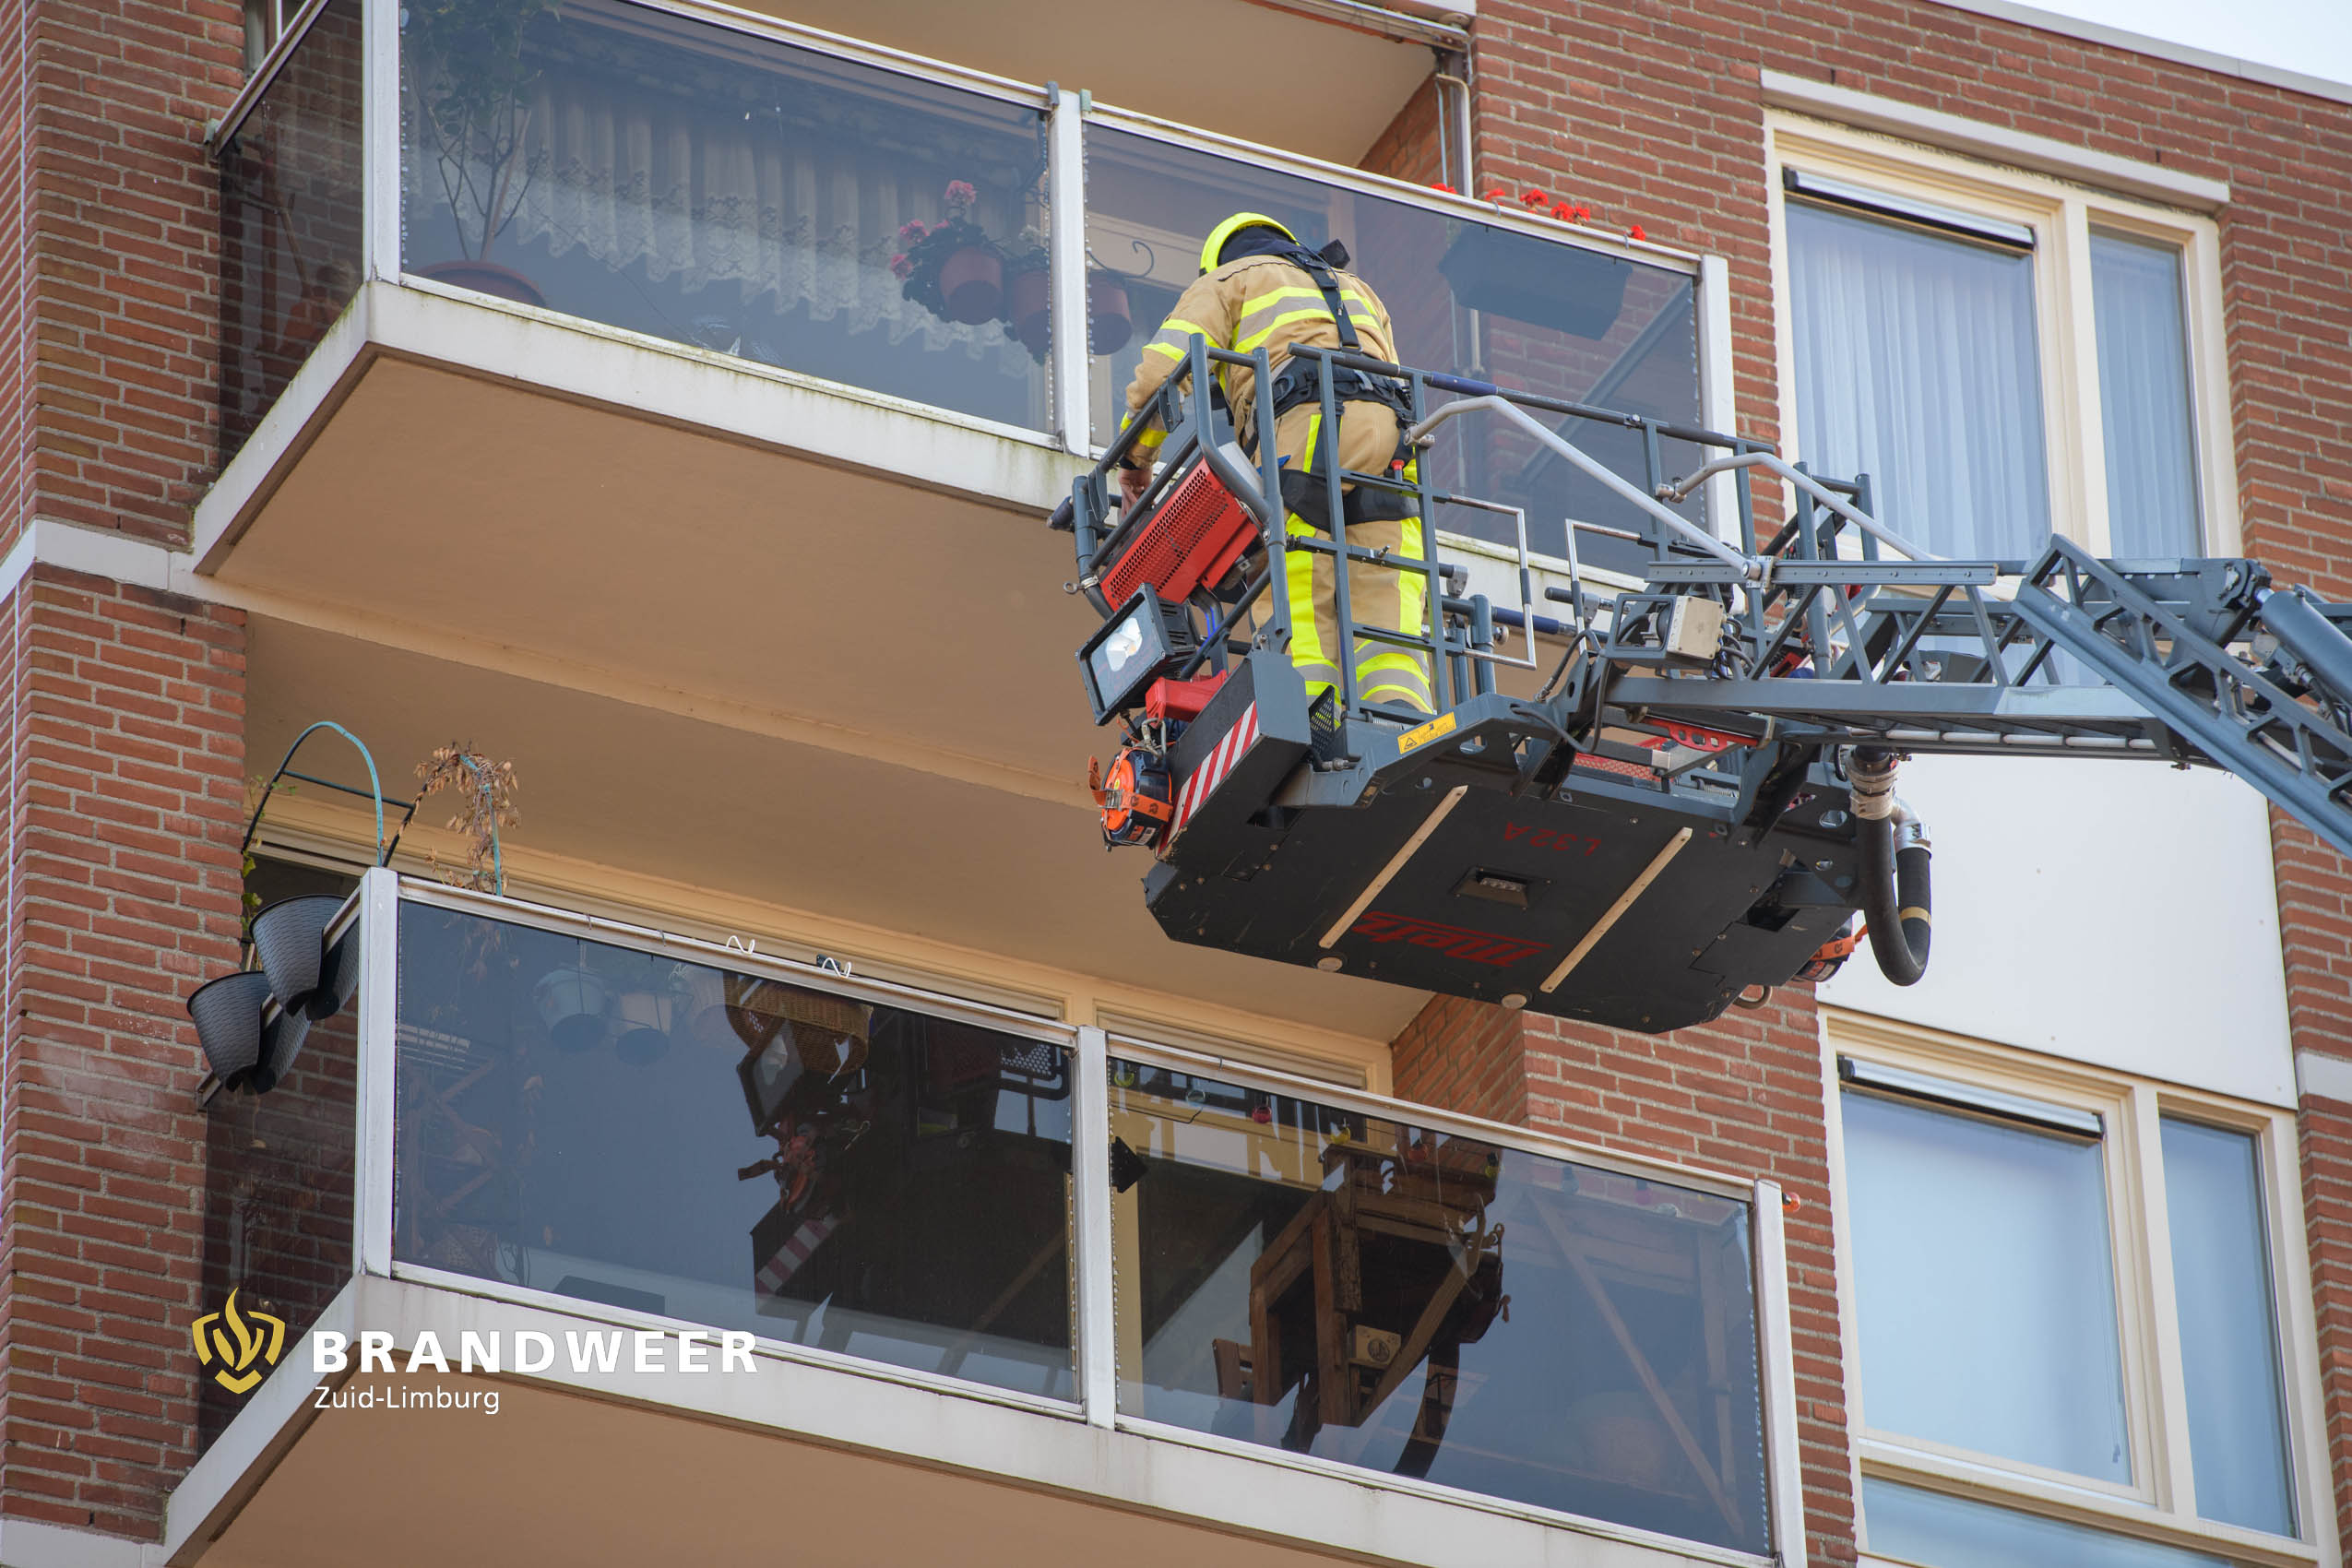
125	297
16	276
122	737
126	753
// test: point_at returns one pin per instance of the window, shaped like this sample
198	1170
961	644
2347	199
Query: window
263	24
2144	395
2005	355
1985	1292
2069	1335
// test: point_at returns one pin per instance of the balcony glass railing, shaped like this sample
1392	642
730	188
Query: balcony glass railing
622	1126
1486	299
1429	1304
692	181
291	250
826	210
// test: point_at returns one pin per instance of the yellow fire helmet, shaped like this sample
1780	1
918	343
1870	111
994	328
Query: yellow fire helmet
1232	226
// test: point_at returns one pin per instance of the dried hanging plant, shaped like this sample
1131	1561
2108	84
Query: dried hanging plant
486	796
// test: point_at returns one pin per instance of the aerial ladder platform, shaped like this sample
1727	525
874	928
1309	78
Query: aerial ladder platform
1697	803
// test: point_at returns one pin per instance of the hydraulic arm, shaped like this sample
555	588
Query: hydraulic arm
1699	799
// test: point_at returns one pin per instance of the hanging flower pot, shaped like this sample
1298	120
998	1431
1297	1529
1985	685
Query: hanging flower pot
702	1009
338	976
570	1003
1029	305
227	1021
645	1017
1109	326
971	281
289	941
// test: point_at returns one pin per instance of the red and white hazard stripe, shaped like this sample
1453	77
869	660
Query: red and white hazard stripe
1212	771
789	1258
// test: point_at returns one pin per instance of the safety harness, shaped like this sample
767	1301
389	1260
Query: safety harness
1300	381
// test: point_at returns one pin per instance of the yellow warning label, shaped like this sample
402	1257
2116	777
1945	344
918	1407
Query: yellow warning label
1421	735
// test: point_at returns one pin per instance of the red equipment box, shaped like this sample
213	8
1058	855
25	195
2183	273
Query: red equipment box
1194	537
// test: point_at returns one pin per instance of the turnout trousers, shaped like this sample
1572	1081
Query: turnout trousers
1379	597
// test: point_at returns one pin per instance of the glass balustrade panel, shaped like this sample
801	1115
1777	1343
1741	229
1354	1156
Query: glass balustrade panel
764	201
291	239
1428	1305
1467	298
677	1139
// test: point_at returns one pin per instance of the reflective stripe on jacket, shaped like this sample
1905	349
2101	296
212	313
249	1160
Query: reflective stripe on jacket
1256	301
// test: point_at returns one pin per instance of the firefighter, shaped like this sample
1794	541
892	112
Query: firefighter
1260	287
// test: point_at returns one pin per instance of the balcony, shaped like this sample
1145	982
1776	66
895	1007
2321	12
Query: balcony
572	403
1106	1294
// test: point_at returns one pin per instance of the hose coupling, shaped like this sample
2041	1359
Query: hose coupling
1870	775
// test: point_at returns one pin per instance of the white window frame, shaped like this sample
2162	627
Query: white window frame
2061	213
2158	1505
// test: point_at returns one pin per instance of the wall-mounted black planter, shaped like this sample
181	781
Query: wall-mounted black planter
289	941
243	1053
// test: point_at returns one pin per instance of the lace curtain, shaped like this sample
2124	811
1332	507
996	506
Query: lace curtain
702	192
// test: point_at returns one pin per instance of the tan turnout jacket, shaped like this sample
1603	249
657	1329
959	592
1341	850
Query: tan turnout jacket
1252	302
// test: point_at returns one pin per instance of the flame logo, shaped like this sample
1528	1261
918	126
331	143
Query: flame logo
245	1344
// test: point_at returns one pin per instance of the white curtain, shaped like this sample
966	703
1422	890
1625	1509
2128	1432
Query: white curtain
698	193
2152	506
1917	365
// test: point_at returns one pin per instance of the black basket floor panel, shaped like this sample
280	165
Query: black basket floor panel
1677	956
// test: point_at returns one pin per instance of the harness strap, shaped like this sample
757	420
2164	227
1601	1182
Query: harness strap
1316	268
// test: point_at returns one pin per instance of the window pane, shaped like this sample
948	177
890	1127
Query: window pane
2144	396
1917	365
689	182
290	220
1465	298
1985	1293
1421	1304
1949	1532
620	1127
2229	1329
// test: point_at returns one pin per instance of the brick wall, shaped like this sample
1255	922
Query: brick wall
121	733
125	739
16	276
2315	931
124	250
1412	148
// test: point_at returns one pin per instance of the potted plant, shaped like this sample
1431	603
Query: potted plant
486	804
468	83
1108	324
951	269
1029	293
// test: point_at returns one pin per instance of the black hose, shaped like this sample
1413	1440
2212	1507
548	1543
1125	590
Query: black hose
1896	900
